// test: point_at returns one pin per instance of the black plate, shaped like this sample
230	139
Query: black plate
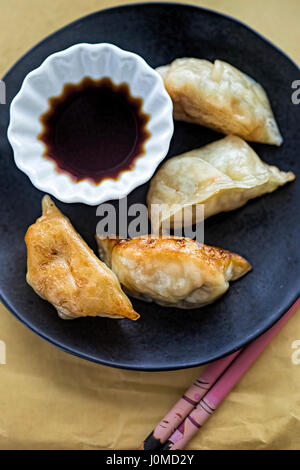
266	231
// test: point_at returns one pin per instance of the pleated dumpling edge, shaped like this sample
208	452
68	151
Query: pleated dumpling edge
220	96
62	269
172	271
222	175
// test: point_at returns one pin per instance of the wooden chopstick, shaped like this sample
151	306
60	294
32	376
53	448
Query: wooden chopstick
211	400
201	400
186	403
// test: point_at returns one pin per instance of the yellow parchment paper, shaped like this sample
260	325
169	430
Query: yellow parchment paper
51	400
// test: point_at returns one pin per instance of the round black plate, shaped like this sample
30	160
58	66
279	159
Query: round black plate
266	231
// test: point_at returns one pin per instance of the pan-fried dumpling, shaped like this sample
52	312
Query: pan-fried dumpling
64	270
172	271
219	96
223	175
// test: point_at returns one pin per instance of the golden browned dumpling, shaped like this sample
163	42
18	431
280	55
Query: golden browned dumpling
222	175
64	270
173	271
219	96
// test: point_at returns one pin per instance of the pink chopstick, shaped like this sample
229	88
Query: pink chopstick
211	400
187	402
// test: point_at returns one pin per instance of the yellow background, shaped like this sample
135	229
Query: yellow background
51	400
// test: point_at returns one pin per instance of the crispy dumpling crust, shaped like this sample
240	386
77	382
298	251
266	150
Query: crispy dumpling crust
219	96
64	270
172	271
222	175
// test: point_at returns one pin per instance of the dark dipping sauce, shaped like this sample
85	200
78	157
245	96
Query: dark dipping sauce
94	130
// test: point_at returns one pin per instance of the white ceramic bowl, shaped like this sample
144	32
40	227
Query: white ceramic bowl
71	66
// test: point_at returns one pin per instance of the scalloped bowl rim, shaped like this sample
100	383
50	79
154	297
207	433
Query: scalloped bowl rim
156	147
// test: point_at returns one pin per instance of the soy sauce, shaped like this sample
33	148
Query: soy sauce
94	130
